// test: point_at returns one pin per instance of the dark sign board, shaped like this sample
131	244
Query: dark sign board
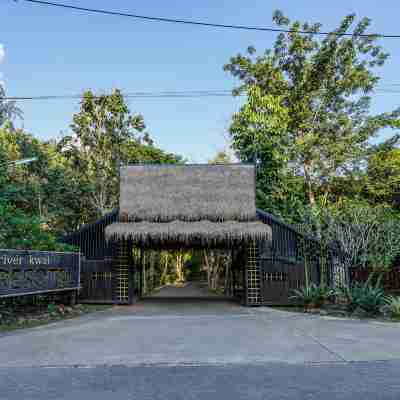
32	272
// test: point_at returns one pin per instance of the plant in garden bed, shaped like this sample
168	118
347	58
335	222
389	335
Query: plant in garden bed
6	313
363	297
17	318
391	308
312	296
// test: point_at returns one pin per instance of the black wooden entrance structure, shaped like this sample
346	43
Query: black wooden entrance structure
273	261
277	267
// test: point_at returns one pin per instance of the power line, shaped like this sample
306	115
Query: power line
169	94
198	23
160	95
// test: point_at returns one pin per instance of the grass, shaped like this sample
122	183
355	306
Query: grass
37	319
332	312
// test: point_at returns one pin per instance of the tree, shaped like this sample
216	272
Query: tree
259	132
100	129
8	109
21	226
365	235
106	133
47	187
383	176
312	98
222	157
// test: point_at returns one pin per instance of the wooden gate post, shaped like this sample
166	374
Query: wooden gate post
252	275
122	273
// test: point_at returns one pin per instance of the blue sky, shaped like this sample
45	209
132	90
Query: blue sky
55	51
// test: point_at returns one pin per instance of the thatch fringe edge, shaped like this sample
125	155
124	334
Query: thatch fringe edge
204	233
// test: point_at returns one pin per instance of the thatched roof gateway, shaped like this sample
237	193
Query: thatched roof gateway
162	193
188	205
200	233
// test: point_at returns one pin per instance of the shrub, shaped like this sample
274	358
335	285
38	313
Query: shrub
6	313
391	307
367	297
312	295
51	308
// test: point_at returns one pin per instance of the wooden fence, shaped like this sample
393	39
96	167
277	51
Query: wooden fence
390	279
282	262
97	281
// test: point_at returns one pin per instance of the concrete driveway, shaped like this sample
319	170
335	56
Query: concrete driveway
199	333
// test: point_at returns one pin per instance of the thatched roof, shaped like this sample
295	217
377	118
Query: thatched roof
164	193
200	233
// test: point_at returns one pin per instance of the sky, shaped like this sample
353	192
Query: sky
52	51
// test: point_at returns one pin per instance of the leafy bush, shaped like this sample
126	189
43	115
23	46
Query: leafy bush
312	295
367	236
51	308
6	313
391	307
19	230
369	298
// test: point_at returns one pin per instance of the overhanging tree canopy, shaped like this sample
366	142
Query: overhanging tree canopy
309	101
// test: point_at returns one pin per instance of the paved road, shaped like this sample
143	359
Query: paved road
186	290
202	350
359	381
199	333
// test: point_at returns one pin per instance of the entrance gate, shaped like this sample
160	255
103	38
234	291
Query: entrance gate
272	270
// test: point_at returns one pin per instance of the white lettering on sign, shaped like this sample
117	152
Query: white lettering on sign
10	260
36	260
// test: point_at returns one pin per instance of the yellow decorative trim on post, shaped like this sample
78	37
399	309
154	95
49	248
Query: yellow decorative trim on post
253	279
123	273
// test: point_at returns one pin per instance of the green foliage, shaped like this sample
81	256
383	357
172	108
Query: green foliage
258	137
367	236
366	296
8	109
383	176
391	307
312	295
44	188
100	129
25	223
19	230
307	115
51	308
6	312
222	157
104	134
57	193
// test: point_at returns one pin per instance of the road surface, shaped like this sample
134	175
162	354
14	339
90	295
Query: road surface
202	350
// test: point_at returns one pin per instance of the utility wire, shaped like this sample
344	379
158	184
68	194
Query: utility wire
158	95
199	23
170	94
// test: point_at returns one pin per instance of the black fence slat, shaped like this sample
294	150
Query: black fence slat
284	269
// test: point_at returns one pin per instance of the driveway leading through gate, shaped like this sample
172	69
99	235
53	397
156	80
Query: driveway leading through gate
199	333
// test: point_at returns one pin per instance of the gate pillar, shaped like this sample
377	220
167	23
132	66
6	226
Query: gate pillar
253	275
123	277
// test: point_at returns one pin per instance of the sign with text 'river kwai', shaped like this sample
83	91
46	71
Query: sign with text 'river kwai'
25	272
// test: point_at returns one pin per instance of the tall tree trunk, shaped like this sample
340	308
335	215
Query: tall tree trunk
165	272
179	265
208	268
307	177
144	260
152	269
228	263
